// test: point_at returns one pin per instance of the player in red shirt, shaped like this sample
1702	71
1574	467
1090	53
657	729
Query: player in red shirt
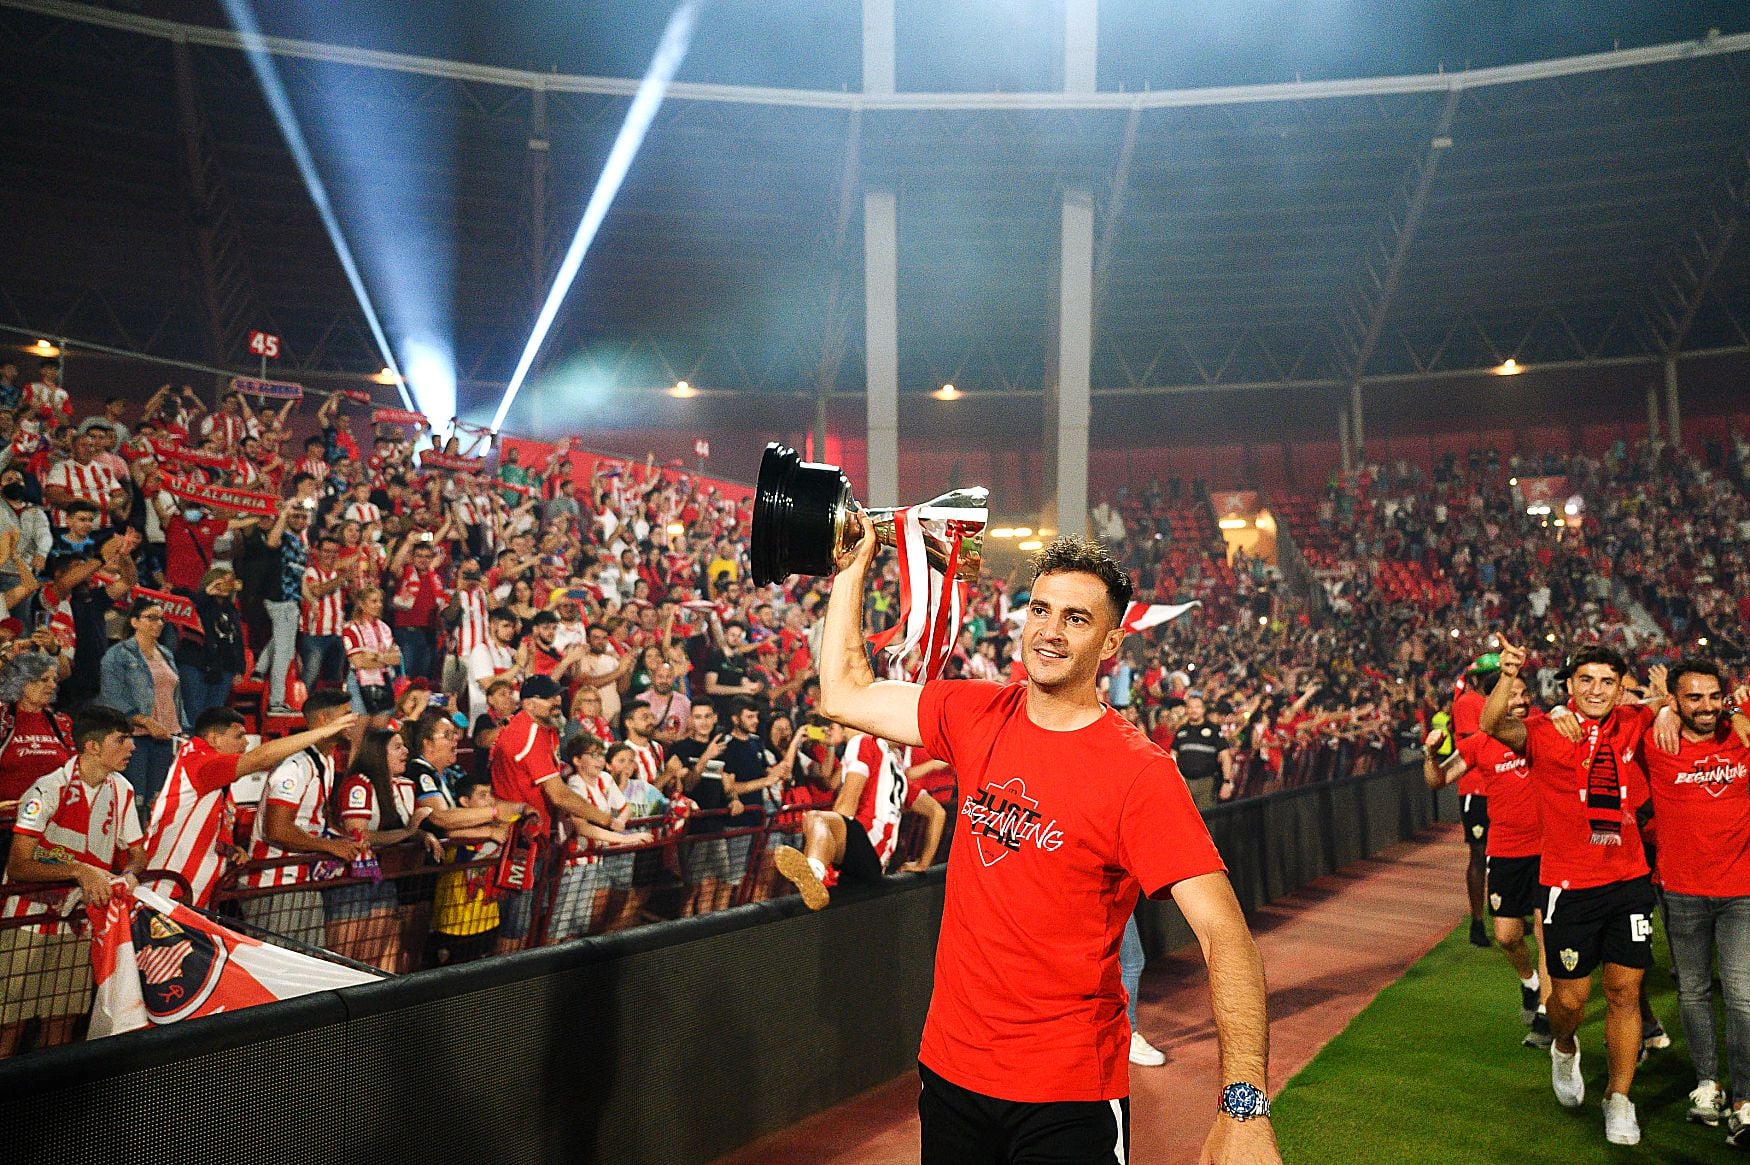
1598	893
1515	840
858	835
1067	813
1701	804
1473	802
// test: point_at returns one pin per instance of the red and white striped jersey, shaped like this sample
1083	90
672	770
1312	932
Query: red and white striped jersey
364	513
372	635
882	804
360	808
605	795
650	759
49	398
301	783
487	660
316	467
326	615
91	482
231	430
191	818
471	629
74	822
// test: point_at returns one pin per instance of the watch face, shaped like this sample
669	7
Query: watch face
1243	1101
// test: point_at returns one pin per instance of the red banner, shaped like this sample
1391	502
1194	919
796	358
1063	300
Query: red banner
223	497
1544	491
276	389
383	416
356	395
515	488
177	609
219	461
452	462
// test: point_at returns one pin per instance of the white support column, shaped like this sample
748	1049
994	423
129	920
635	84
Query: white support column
1652	413
880	282
1075	343
1357	424
881	343
1069	399
878	46
1673	406
1343	439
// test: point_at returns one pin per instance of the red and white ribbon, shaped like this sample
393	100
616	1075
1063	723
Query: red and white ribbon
931	602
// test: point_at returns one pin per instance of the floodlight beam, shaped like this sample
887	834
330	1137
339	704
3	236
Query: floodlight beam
670	52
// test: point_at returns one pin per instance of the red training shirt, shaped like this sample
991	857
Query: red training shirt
1701	802
1058	832
1515	826
1558	768
1467	720
525	755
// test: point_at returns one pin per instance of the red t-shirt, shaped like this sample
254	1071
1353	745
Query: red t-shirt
1559	769
525	755
34	749
188	550
1701	802
1515	827
1058	831
1467	720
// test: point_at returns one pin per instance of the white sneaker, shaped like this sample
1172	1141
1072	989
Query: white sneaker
1144	1053
1565	1077
1707	1104
1620	1125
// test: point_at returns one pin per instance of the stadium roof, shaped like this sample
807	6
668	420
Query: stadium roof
1289	234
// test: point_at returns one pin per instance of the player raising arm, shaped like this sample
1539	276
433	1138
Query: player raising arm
1026	1045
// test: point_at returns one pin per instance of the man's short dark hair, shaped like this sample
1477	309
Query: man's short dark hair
1595	653
581	743
1695	665
740	704
466	785
502	615
543	618
321	701
1071	554
94	722
80	506
214	719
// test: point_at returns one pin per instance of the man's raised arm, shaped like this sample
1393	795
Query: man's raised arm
1495	720
849	692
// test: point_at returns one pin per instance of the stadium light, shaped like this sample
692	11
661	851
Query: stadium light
1233	524
947	392
1034	544
670	52
683	391
267	76
1508	367
44	349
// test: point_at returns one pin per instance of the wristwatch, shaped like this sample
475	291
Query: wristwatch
1244	1101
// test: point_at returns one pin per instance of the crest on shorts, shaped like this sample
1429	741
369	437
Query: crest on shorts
179	968
1476	831
1494	902
1570	958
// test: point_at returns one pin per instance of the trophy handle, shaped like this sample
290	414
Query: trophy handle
961	511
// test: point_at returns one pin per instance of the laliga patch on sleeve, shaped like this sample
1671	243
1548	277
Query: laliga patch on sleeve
286	784
356	798
30	811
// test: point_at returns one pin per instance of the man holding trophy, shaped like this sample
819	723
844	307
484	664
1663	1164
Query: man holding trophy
1066	812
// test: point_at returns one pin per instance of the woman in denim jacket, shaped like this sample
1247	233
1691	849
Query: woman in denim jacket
140	681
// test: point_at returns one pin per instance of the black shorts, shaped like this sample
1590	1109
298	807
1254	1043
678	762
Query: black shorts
1612	923
860	863
962	1127
1514	891
1473	810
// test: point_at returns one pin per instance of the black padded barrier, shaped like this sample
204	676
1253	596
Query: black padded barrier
672	1043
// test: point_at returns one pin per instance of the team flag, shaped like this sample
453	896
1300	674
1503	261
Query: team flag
1142	616
157	962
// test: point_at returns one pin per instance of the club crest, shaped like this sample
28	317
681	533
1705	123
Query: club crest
178	968
1494	902
1570	958
1476	831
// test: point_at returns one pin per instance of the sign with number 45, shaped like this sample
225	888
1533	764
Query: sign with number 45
263	345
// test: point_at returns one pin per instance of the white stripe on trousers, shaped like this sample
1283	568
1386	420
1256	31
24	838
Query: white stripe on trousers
1118	1120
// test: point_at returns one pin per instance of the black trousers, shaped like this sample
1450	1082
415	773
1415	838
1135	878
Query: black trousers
962	1127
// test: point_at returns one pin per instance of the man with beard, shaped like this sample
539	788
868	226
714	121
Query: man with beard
1702	810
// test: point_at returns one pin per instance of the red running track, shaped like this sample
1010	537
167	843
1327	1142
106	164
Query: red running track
1328	949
